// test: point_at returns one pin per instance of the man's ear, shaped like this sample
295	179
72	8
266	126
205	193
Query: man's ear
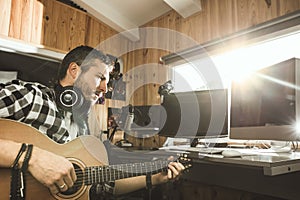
73	70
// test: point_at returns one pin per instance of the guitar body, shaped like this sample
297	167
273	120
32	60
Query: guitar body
82	152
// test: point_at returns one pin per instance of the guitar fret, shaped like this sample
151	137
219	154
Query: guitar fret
114	175
151	167
93	175
86	173
139	170
142	168
98	172
148	168
109	173
103	180
105	174
89	180
121	172
126	170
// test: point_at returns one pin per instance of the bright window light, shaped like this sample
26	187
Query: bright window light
298	127
238	63
187	78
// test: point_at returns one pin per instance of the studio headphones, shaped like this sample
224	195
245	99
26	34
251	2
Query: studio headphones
69	98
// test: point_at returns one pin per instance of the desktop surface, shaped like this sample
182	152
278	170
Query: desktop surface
248	156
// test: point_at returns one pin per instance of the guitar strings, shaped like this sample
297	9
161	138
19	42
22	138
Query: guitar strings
98	173
114	172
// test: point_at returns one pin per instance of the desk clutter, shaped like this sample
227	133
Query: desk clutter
231	152
227	148
274	160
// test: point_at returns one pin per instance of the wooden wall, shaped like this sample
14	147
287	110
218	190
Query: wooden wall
61	27
51	23
217	19
58	27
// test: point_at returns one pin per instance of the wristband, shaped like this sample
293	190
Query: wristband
24	169
27	158
148	181
21	151
16	176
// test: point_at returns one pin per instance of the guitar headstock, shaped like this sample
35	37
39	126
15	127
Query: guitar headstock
185	161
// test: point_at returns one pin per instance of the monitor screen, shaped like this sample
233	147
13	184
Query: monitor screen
265	105
196	114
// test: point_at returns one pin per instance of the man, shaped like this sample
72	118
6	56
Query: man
88	71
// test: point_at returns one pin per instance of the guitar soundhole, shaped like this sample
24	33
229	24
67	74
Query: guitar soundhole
78	184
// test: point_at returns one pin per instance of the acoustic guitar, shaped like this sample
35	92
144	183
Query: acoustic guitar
88	156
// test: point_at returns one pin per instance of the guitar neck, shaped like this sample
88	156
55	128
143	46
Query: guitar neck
101	174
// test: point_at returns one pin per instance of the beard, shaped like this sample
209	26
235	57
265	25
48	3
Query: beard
80	113
86	91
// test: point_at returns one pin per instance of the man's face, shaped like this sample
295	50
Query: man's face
93	82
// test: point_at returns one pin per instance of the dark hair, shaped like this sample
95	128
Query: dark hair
81	55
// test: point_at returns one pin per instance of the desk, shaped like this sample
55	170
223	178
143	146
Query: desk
272	176
248	175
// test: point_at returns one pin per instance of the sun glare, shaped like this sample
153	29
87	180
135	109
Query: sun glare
238	64
298	128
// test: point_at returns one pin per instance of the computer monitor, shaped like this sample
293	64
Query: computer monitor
195	114
265	105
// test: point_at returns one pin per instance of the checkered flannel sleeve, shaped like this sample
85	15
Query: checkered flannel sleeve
33	104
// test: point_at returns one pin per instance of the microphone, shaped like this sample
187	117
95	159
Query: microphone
129	119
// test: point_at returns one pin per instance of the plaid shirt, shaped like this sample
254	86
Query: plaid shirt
33	104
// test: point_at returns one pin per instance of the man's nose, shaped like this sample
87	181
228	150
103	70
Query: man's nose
103	86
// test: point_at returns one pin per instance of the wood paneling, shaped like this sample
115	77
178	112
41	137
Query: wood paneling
5	6
94	30
52	24
24	16
97	32
148	142
47	24
64	26
77	29
98	119
15	20
216	20
37	22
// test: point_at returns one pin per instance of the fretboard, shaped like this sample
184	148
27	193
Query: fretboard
100	174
